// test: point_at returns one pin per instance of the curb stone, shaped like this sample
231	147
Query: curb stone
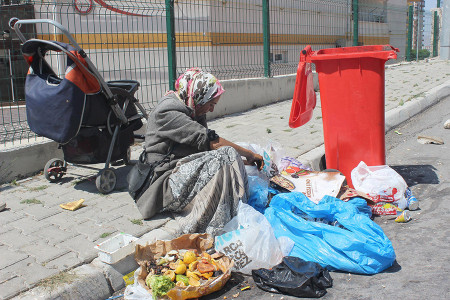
99	280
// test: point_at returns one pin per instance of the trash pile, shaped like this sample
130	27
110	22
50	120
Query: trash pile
297	226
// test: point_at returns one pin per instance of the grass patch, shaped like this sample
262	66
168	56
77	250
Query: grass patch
287	130
318	117
282	118
105	234
58	279
401	103
38	188
311	126
268	130
136	221
230	126
314	131
14	182
31	201
415	84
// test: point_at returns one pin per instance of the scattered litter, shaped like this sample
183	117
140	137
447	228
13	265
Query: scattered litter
422	139
398	132
129	278
403	217
447	124
236	295
74	205
245	288
116	248
294	276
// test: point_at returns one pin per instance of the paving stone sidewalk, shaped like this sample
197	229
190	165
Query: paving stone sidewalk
38	239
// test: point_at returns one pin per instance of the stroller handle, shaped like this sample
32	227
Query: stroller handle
15	23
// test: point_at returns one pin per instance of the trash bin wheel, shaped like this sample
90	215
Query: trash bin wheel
55	169
106	181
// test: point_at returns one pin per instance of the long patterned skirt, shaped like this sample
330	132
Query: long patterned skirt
206	188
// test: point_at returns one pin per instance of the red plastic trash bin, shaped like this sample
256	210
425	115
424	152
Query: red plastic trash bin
351	81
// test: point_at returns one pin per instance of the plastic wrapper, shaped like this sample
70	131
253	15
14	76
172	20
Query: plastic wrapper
294	276
200	242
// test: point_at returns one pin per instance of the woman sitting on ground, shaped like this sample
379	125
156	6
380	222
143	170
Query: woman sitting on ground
200	176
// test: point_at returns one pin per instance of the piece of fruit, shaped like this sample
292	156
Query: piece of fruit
170	274
189	257
192	274
205	267
173	265
208	275
193	266
180	284
183	279
193	281
181	268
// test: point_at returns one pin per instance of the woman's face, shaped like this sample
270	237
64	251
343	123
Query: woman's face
200	110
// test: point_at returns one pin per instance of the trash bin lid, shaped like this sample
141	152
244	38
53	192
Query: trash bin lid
383	52
304	100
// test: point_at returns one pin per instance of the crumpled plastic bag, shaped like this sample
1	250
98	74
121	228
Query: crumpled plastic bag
356	244
382	183
250	241
258	193
294	276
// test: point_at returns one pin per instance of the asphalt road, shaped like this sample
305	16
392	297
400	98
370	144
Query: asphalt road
422	246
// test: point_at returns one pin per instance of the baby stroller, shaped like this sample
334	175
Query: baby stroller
92	120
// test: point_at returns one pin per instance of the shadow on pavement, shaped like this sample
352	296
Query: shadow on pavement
417	174
394	268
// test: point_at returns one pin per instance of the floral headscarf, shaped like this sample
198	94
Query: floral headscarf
195	87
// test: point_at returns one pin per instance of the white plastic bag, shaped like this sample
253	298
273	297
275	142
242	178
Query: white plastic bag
380	182
135	291
250	241
272	154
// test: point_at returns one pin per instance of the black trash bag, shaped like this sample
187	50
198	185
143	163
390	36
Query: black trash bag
294	276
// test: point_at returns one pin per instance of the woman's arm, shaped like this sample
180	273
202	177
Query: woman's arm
251	157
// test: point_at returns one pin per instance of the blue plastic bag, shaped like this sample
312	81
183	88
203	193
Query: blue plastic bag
258	193
361	247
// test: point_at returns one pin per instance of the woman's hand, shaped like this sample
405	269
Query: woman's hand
256	159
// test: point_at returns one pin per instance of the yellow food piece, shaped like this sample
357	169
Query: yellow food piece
170	274
73	205
194	282
180	284
189	257
193	266
181	268
192	275
208	275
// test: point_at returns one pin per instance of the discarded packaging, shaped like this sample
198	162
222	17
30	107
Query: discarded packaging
314	185
74	205
430	140
403	217
413	203
147	256
447	124
116	248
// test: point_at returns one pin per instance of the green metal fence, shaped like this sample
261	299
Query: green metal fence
153	41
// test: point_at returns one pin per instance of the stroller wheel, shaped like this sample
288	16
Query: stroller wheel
55	169
127	157
106	181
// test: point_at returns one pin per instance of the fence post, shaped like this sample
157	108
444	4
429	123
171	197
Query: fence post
436	31
410	26
266	37
355	23
171	51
